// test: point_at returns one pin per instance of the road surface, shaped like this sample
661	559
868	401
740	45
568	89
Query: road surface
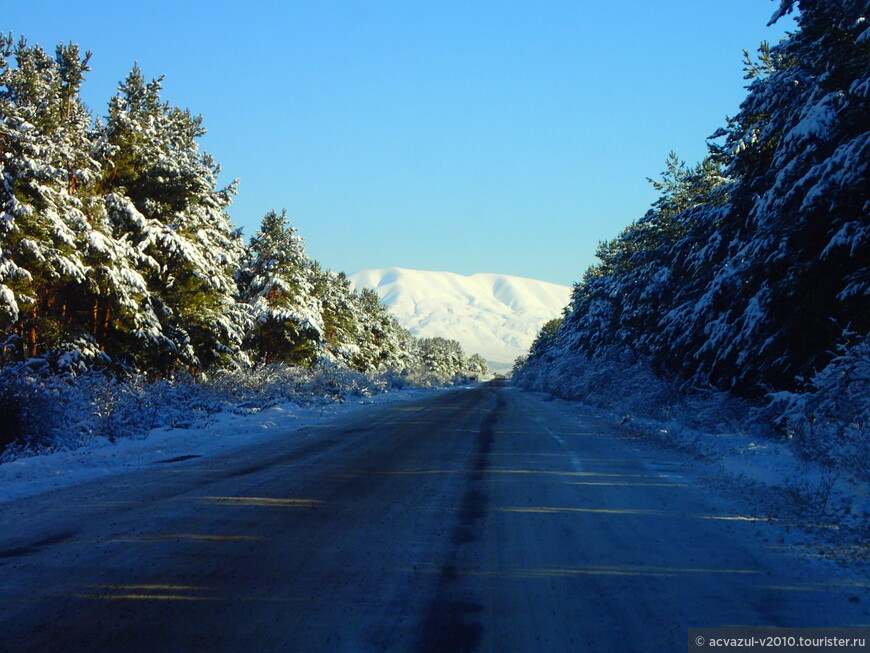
482	519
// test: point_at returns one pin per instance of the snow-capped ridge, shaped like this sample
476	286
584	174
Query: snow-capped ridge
495	315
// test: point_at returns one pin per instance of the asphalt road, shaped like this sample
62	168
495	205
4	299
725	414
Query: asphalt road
478	519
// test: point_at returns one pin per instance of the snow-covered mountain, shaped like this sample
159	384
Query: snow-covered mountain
494	315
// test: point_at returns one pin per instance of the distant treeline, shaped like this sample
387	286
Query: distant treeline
117	252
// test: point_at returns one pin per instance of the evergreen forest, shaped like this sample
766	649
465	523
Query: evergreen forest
118	257
750	274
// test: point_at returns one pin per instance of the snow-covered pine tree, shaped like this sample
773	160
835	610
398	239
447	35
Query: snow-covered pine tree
161	197
476	364
782	269
443	357
749	267
379	348
409	357
112	307
45	155
358	330
342	320
275	281
544	342
621	300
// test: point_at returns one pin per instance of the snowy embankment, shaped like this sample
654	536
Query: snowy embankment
785	477
62	430
215	433
766	467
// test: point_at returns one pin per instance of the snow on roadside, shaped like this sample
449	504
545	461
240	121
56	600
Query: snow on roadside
225	431
746	456
741	458
821	512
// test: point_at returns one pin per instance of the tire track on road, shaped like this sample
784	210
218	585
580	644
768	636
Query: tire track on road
453	621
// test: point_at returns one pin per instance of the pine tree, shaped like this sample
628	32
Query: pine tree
342	321
44	156
161	196
476	364
750	266
784	266
545	340
443	357
274	280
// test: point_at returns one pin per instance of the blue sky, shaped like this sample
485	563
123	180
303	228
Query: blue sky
468	136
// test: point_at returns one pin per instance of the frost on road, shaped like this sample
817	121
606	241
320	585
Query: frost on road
477	519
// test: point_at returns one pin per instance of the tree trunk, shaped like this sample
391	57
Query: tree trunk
95	317
31	340
106	320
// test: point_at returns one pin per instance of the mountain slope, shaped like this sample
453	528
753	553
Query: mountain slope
494	315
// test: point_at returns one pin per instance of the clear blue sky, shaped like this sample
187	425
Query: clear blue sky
467	136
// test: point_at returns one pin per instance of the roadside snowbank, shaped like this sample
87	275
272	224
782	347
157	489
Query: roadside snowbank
754	463
736	438
221	432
